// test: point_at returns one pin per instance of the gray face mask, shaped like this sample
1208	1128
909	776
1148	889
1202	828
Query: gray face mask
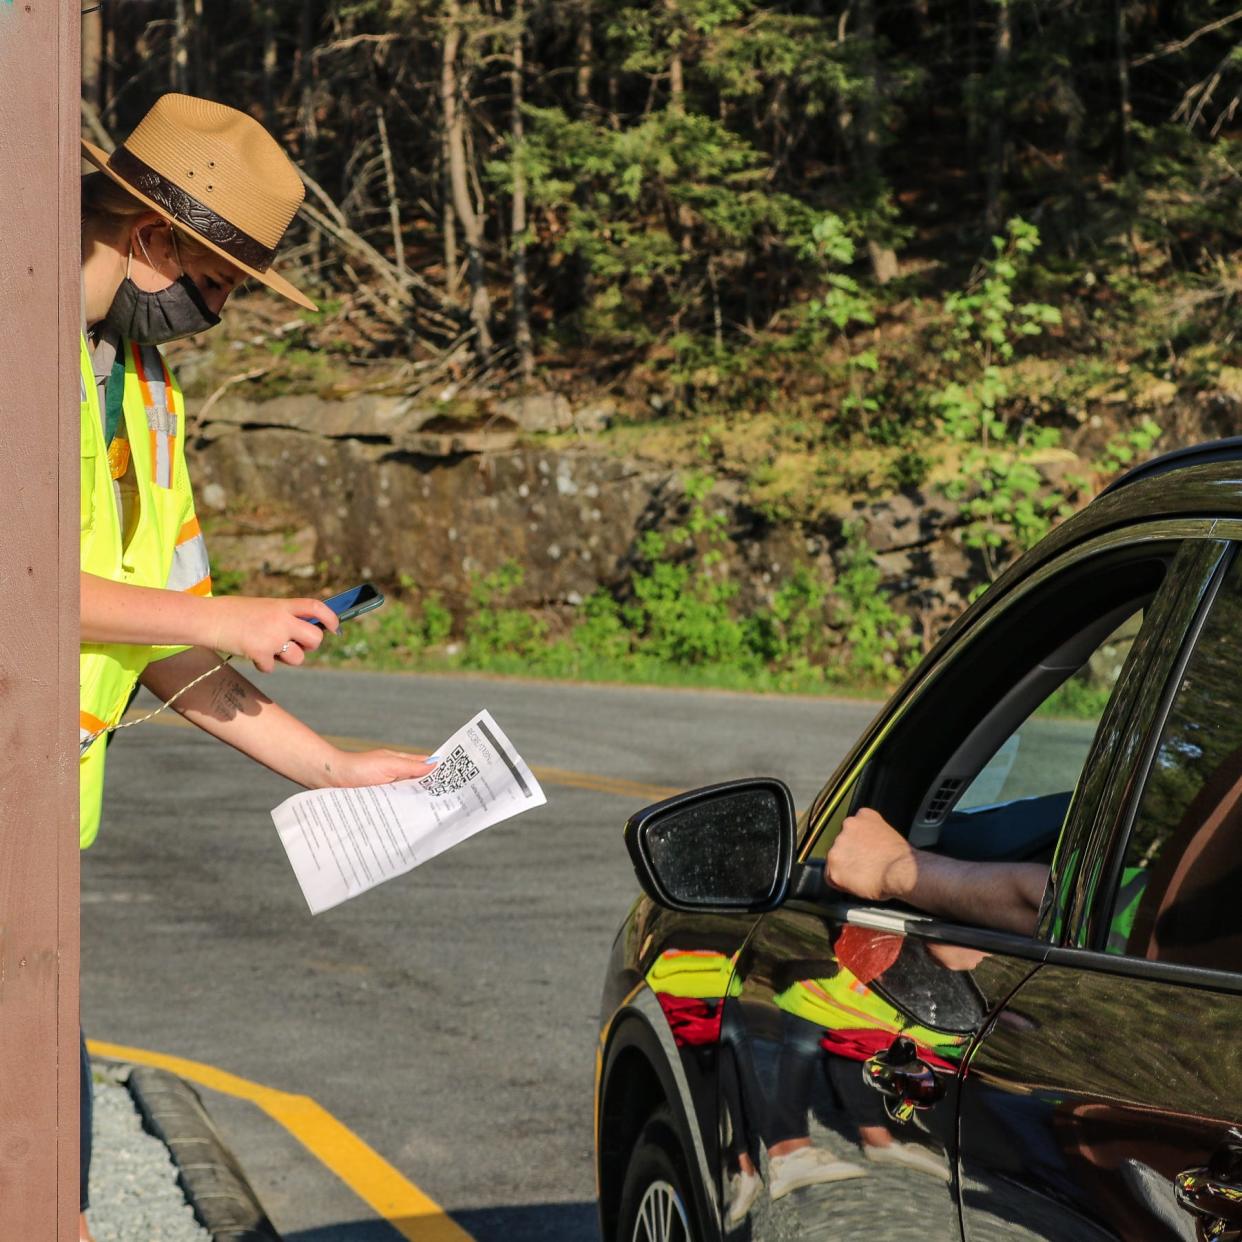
153	318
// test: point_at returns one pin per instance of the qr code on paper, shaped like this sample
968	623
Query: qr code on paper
453	772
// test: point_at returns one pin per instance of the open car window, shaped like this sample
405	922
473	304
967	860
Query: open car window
1014	805
984	763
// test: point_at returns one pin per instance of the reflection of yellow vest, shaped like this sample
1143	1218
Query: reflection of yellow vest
160	547
843	1003
698	974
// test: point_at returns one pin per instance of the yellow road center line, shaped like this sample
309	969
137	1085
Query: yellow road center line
562	777
406	1208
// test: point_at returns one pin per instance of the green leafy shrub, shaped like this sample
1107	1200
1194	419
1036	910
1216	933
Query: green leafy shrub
1002	495
879	643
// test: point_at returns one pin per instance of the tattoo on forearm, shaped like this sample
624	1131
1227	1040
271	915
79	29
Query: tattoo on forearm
229	695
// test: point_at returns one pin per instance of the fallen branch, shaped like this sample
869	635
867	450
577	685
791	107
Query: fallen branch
332	222
343	45
90	117
1168	49
390	179
203	410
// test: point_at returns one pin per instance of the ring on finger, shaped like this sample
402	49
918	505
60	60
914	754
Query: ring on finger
283	648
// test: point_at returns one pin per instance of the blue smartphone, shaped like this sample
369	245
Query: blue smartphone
354	602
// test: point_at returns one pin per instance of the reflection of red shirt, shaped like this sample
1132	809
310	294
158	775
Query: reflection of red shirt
859	1043
694	1022
865	952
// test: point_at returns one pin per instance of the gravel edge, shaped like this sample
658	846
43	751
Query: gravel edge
208	1173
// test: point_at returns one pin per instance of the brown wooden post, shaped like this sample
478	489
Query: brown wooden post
39	315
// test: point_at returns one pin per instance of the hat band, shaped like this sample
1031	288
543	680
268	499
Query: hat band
185	209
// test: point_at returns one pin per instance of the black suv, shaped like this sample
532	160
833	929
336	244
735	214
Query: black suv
780	1060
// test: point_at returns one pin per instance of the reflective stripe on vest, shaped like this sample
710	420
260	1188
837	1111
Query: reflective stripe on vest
156	387
162	544
191	570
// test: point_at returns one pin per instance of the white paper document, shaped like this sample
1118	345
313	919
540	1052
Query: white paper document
342	842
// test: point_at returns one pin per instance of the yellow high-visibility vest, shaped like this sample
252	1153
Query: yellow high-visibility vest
699	974
161	545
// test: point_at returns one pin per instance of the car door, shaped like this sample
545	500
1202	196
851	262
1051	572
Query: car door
847	1025
1105	1099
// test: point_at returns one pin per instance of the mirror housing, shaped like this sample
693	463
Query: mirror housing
726	848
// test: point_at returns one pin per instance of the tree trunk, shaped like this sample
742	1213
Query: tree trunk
269	20
93	59
180	76
390	182
867	134
196	48
448	221
614	100
584	56
307	121
1125	109
521	297
455	136
677	106
584	53
676	67
970	79
1073	106
998	99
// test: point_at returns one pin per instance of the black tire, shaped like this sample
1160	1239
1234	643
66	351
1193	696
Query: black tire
656	1201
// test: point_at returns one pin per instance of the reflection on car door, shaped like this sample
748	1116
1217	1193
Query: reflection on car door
1115	1071
810	1148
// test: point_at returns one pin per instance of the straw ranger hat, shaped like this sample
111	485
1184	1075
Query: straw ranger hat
216	174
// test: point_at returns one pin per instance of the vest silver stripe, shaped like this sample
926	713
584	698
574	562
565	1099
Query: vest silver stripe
159	419
189	564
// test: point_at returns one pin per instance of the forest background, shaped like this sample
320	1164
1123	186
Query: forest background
815	255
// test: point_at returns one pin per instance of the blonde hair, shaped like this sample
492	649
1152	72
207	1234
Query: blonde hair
109	210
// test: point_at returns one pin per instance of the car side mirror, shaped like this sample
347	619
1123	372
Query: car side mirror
726	847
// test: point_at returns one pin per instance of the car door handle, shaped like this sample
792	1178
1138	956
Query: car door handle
1214	1193
899	1073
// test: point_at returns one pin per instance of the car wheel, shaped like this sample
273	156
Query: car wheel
655	1200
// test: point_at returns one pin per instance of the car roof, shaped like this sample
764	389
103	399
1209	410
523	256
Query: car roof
1227	450
1204	480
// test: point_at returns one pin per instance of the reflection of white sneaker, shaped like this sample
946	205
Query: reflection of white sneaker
909	1156
743	1191
808	1166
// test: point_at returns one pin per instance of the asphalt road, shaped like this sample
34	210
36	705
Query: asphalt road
448	1017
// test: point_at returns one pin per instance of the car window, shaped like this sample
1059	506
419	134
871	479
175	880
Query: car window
984	765
1014	807
1177	894
1046	752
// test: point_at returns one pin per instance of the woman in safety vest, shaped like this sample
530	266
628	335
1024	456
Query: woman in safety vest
195	201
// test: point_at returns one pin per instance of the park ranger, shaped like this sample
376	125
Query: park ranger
192	203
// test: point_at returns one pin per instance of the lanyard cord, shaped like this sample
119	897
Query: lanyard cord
87	742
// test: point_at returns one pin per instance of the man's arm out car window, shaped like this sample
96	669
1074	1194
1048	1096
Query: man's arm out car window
980	844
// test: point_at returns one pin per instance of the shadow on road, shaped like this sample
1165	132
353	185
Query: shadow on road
536	1222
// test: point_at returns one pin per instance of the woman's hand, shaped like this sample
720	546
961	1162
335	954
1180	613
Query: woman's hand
268	631
373	767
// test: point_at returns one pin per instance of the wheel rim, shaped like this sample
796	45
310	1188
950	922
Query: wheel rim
661	1216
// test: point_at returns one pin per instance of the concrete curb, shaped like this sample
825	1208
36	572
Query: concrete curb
208	1172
